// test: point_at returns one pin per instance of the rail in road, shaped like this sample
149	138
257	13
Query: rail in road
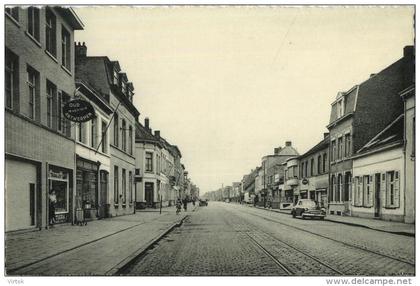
335	240
289	252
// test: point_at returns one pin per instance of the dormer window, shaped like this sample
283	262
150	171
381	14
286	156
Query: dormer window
115	77
123	87
340	108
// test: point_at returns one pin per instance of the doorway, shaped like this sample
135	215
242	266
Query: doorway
148	189
377	195
103	195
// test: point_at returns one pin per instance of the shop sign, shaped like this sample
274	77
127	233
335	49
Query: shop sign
58	175
78	110
305	181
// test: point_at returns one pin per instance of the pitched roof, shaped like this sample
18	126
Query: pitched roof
144	135
323	144
393	134
288	151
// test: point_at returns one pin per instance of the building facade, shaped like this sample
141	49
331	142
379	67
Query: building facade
112	85
39	141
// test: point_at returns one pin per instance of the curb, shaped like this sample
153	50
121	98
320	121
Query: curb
351	223
122	265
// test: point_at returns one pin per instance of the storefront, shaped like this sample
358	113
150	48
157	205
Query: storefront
87	187
321	197
59	181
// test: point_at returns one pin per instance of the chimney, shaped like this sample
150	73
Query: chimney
288	143
326	134
276	151
157	133
80	50
146	123
408	51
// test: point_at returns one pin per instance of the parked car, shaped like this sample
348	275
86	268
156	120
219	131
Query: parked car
307	208
203	202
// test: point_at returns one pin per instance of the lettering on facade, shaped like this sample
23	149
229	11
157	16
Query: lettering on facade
78	110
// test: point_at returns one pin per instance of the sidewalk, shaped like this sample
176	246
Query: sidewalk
108	244
376	224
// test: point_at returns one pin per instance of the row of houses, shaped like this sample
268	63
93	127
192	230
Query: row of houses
108	166
364	165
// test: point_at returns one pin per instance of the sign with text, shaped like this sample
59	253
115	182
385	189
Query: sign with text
78	110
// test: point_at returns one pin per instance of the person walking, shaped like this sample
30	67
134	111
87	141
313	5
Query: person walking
178	205
53	201
185	204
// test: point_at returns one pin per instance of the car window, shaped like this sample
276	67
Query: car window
309	203
300	203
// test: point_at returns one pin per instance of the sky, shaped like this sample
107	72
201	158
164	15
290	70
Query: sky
229	84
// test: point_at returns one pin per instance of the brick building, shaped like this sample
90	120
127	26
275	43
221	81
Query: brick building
106	77
39	144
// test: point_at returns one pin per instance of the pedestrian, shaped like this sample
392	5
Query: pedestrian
178	205
53	201
185	204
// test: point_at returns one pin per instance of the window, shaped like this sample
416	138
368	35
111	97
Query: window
50	32
123	87
104	138
124	186
301	169
319	161
306	168
33	89
116	129
11	80
62	122
82	132
367	191
340	148
333	188
312	166
347	145
116	184
13	12
149	162
157	164
392	189
130	187
333	150
413	134
65	48
115	77
339	188
51	103
130	140
324	162
123	135
93	133
33	22
340	108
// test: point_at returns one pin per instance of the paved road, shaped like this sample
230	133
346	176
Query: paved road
229	239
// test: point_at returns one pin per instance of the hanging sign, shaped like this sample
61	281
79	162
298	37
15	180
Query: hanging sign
305	181
78	110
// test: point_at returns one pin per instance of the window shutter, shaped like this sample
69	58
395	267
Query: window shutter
397	189
370	191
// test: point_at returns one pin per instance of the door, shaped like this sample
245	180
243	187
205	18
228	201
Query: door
20	195
148	189
377	195
103	194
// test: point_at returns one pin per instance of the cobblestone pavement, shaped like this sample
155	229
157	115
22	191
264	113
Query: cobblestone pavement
228	239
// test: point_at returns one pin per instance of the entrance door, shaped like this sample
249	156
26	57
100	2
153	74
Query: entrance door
148	189
377	195
312	195
103	194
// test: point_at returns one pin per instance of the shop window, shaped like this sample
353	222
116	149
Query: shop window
116	184
65	49
59	182
11	80
50	32
13	12
33	92
392	189
33	22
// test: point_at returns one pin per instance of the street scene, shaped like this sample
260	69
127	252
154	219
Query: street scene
270	141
